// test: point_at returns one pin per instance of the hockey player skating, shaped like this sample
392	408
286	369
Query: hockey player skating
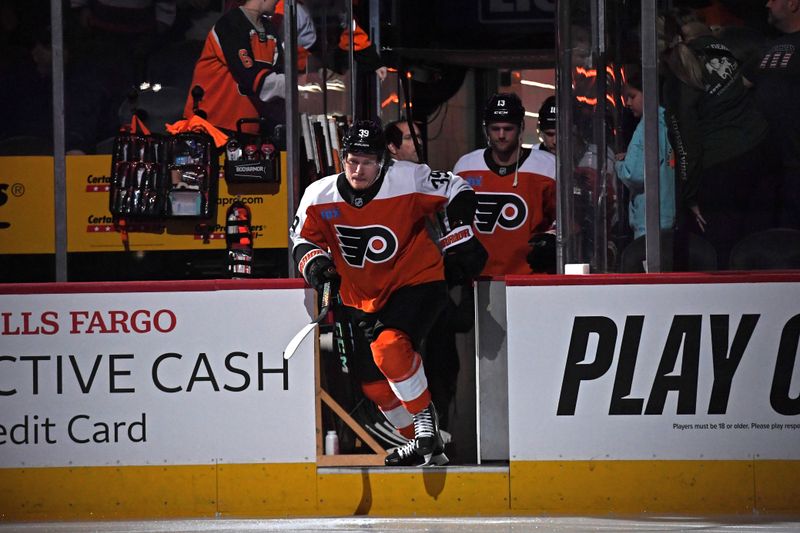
516	193
364	230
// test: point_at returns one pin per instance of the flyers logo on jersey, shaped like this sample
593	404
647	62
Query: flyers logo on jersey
375	244
508	211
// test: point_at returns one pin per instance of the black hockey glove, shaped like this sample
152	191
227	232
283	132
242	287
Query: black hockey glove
320	271
542	257
464	256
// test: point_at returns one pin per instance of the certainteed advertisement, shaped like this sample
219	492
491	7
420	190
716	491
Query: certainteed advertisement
27	212
91	227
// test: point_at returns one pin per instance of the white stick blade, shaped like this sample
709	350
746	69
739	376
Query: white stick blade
297	339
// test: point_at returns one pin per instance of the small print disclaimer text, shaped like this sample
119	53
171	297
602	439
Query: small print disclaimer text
738	426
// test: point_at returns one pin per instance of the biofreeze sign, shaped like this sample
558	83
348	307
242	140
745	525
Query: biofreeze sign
654	371
154	378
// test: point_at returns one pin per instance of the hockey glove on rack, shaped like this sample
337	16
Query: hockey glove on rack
464	255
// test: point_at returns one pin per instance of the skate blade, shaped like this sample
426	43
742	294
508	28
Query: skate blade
438	459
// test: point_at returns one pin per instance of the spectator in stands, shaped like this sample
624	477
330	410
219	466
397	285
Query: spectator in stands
400	143
746	44
26	93
20	23
241	68
120	36
131	17
194	19
776	76
333	47
306	32
630	164
719	138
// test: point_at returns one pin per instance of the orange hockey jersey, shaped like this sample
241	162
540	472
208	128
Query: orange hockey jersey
383	245
508	216
241	72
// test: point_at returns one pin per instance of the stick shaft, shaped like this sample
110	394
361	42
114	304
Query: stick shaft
294	344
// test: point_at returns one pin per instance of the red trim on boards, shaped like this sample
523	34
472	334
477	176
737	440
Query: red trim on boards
151	286
669	278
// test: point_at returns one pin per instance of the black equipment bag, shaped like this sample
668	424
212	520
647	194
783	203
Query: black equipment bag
138	176
193	185
155	176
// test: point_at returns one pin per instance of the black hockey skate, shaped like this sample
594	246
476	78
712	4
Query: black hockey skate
427	439
406	455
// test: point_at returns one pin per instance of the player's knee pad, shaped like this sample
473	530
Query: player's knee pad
395	357
393	353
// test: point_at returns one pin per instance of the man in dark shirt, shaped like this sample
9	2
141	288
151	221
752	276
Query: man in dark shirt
777	82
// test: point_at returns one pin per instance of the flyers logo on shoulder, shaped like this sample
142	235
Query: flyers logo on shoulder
507	210
375	244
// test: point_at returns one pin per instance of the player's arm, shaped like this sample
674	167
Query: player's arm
685	136
316	266
464	255
453	192
542	255
310	252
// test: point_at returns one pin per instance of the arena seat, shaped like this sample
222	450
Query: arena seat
105	147
156	108
26	145
702	256
772	249
173	65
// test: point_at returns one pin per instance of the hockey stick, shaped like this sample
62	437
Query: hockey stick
294	344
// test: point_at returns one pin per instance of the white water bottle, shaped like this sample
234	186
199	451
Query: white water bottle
331	443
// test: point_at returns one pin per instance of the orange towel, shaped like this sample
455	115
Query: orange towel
198	124
137	123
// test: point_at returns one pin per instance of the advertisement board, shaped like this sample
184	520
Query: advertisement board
155	378
27	209
654	371
27	205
